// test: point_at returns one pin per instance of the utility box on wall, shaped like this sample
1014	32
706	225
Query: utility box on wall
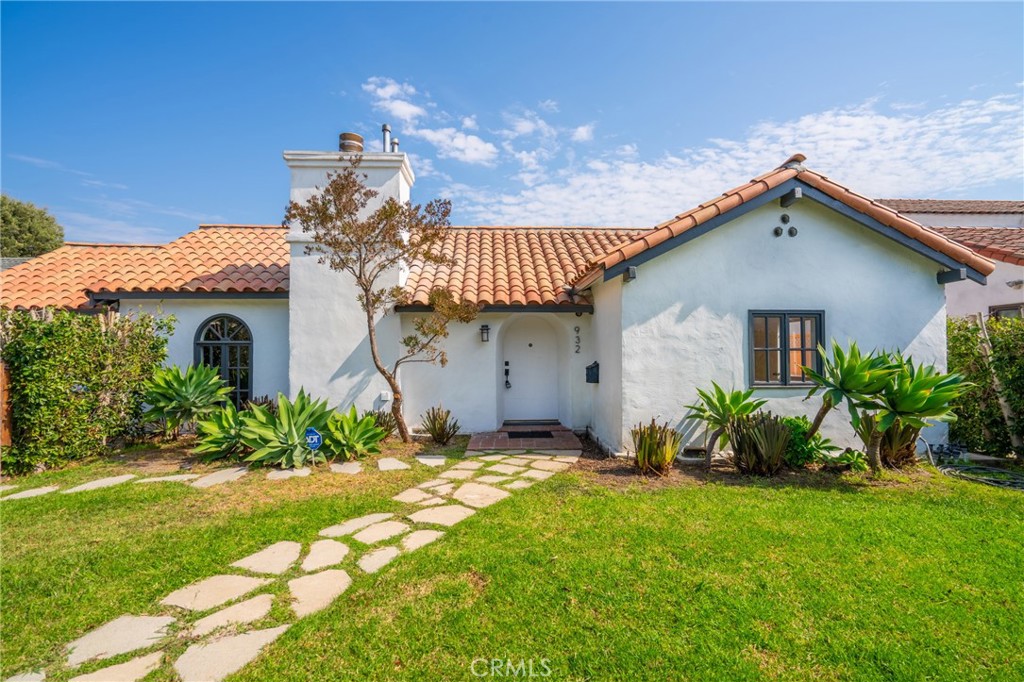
593	373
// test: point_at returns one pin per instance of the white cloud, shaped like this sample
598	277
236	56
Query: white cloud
85	227
584	133
469	122
101	184
394	99
944	151
548	105
455	144
526	124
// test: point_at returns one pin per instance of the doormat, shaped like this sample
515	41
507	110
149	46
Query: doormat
530	434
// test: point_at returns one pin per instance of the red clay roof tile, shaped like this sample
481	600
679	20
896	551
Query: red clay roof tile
952	206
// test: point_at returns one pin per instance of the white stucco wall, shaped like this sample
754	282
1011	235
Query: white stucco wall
607	424
267	320
329	352
684	320
967	297
472	384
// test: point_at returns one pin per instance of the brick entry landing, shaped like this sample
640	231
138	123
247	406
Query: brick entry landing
561	438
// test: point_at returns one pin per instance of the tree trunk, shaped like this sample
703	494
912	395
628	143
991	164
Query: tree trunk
715	435
826	406
874	444
396	411
396	391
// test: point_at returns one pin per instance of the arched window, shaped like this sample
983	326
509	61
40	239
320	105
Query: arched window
225	342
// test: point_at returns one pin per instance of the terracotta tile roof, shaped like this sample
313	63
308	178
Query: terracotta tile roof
952	206
214	258
999	243
515	265
793	168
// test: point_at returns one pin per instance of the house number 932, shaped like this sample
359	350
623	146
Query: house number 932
577	338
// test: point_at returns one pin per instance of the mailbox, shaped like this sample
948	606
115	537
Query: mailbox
593	373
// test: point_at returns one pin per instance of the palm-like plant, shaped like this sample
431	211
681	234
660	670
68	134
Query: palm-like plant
220	435
717	408
354	437
181	397
848	376
281	439
915	396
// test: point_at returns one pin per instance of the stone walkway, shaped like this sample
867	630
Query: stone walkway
226	619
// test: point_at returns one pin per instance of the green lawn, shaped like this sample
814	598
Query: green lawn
814	577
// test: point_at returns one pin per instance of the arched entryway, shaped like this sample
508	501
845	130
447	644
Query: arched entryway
530	370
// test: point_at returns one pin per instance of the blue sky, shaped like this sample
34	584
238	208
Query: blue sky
135	122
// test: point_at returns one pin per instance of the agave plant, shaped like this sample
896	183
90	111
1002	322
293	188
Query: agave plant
438	422
848	376
181	397
759	443
281	440
914	397
656	446
385	420
220	435
354	437
718	408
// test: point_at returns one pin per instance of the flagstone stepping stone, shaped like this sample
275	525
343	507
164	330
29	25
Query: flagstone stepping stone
475	453
371	562
568	459
419	538
448	515
119	636
347	468
315	592
479	496
131	671
274	559
536	457
33	676
380	531
33	492
564	453
517	461
472	466
434	483
550	466
491	479
218	477
5	488
175	478
212	592
284	474
241	613
431	460
491	458
353	525
519	485
507	469
99	483
538	475
411	495
443	489
431	501
391	464
513	452
214	661
324	553
457	474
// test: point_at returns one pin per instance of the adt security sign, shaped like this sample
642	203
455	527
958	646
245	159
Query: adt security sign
313	438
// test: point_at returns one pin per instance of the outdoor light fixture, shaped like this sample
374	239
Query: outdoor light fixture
485	333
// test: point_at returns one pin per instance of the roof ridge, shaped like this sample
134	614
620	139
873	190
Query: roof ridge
110	244
241	226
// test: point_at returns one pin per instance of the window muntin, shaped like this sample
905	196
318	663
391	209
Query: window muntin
224	342
781	342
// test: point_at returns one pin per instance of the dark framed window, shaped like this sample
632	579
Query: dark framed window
1007	310
781	343
225	343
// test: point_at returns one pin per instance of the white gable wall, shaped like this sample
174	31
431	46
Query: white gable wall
684	320
267	320
968	298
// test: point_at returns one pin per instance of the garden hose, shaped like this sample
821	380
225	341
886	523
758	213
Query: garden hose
994	476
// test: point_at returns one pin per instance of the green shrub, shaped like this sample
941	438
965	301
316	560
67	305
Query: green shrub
980	426
179	398
855	460
800	451
76	381
656	446
758	443
438	422
385	421
717	408
220	434
354	437
280	440
1007	337
264	401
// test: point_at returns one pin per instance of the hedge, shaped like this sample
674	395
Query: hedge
76	381
980	425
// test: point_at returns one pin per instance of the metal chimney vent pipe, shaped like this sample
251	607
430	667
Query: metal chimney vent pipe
386	129
350	143
394	144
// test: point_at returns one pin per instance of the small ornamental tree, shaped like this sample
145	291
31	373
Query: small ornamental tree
370	247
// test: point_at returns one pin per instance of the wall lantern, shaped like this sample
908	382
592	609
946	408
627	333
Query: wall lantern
485	333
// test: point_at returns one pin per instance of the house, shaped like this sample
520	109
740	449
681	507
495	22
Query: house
595	328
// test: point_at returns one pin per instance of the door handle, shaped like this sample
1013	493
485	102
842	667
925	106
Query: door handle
508	384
